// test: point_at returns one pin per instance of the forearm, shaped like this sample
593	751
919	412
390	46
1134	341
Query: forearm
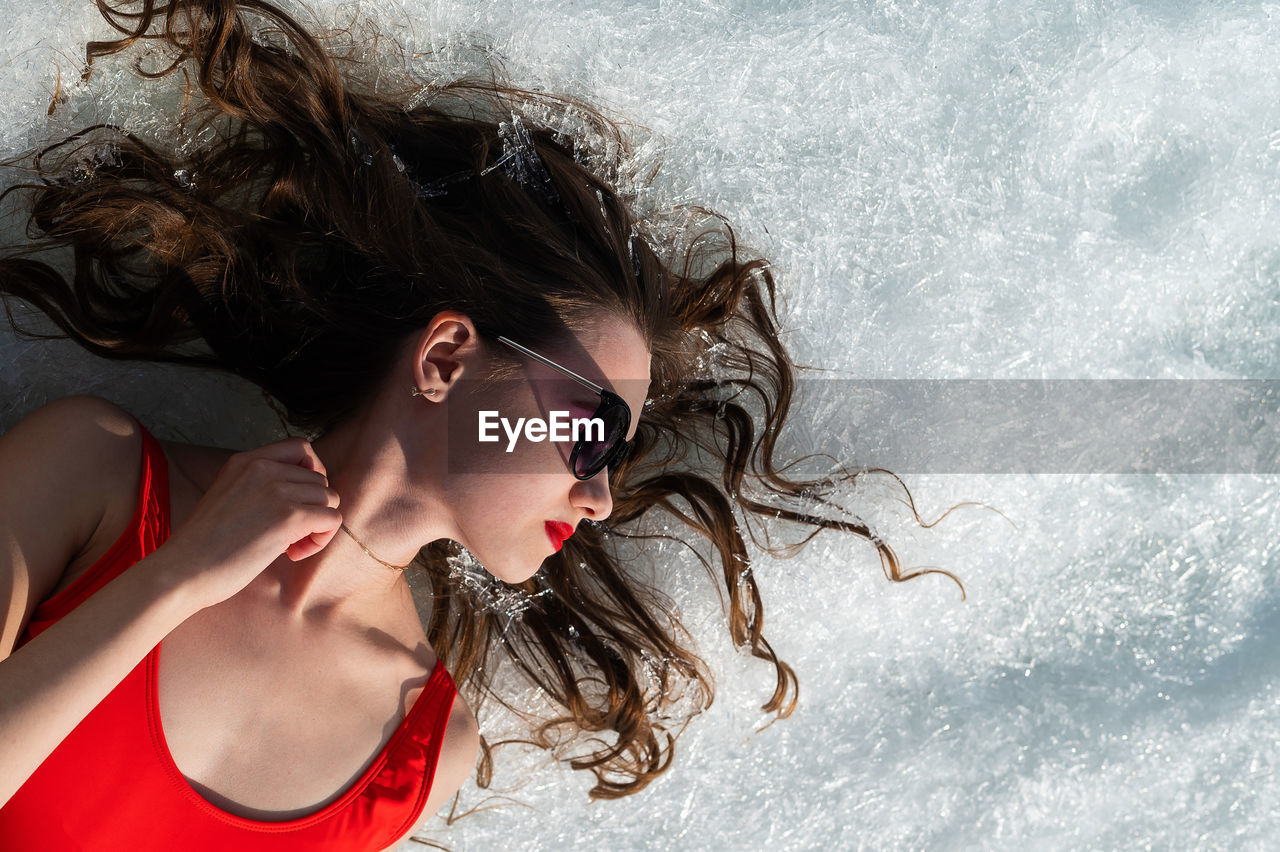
50	684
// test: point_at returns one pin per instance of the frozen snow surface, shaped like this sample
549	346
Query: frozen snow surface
1008	189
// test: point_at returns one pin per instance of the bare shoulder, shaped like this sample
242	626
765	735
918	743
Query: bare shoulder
85	428
60	467
79	440
80	416
101	444
458	752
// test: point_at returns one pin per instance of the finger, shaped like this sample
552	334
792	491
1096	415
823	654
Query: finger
302	476
301	549
322	539
293	451
311	460
316	541
309	494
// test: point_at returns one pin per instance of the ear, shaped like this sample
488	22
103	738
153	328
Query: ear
446	348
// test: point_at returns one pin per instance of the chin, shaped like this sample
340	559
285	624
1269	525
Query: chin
514	574
475	564
516	577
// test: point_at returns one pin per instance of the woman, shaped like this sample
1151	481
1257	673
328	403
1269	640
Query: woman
389	274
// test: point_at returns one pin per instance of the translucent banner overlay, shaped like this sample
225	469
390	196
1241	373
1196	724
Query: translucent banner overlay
1046	426
964	426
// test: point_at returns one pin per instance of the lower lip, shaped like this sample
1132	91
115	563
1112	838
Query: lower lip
555	539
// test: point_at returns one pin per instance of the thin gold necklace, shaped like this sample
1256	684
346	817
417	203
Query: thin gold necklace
371	556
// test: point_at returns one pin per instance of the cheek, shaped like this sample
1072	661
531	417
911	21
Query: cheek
510	504
505	529
543	457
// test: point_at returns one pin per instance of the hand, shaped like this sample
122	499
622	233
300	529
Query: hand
265	502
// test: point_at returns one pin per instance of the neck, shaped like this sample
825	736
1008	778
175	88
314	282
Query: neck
366	466
346	529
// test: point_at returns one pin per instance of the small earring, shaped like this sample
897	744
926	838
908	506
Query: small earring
427	392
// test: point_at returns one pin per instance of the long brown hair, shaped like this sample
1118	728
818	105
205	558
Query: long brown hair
325	222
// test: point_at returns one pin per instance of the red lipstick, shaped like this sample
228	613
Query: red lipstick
558	532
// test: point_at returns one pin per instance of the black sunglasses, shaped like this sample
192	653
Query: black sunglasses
591	456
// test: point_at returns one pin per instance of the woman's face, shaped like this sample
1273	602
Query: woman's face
503	493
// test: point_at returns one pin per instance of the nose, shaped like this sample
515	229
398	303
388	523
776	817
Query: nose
594	496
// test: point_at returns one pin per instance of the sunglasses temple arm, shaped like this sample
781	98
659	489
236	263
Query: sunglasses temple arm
595	387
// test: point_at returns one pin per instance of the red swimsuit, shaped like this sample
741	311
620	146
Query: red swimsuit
112	784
